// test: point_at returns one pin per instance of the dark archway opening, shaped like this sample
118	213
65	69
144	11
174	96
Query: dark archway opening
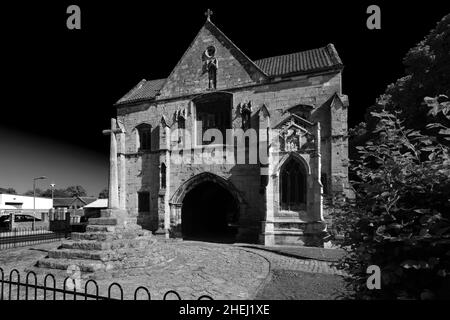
209	213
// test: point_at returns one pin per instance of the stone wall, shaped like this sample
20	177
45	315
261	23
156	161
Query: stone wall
189	76
143	167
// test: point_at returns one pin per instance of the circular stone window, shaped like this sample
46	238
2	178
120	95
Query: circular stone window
210	51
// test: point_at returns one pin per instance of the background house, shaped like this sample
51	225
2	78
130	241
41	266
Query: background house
25	204
93	209
72	203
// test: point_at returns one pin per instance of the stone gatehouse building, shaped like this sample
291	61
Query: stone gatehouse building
295	104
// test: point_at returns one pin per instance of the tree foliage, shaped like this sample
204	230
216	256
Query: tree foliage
104	194
75	191
57	193
68	192
427	73
399	219
37	191
8	190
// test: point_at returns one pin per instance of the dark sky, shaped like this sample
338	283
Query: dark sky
59	85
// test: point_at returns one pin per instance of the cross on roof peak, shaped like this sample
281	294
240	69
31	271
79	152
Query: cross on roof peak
208	14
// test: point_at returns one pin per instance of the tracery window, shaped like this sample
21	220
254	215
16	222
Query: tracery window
213	111
293	185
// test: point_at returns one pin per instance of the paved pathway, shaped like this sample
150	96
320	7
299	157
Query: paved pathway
282	262
221	271
218	270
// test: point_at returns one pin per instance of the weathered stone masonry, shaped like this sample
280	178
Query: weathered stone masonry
298	94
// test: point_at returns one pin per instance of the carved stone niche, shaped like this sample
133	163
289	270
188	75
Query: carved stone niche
210	66
295	139
301	110
245	110
295	134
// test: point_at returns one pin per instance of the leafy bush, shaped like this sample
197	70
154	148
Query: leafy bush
399	219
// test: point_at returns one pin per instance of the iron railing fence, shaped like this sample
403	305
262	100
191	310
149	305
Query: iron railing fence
11	289
19	237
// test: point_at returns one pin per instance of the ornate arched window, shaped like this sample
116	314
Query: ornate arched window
144	142
292	185
213	111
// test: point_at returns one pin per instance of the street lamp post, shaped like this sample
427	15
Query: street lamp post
34	198
52	185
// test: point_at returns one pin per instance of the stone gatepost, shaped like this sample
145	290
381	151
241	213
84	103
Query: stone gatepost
267	139
316	228
114	214
121	166
317	184
164	191
175	220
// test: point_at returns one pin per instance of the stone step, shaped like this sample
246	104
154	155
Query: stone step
101	255
103	221
60	274
290	232
289	220
113	220
111	228
139	242
68	264
100	228
110	236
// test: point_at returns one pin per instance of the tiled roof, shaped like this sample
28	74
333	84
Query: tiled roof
62	202
99	203
143	91
87	200
67	202
301	62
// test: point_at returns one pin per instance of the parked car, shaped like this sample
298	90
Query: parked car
18	218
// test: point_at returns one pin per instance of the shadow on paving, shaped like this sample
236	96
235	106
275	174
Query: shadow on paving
315	253
217	270
297	285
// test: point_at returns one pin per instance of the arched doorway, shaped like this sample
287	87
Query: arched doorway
209	212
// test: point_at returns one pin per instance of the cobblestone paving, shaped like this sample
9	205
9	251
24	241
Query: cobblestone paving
219	270
278	261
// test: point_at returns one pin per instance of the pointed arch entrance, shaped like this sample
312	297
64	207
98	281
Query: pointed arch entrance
207	207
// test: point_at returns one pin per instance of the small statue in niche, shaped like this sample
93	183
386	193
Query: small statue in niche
210	65
310	142
292	140
246	111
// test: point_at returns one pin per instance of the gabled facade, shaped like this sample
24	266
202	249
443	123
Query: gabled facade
295	106
75	202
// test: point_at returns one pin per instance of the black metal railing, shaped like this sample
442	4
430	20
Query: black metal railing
20	237
13	288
